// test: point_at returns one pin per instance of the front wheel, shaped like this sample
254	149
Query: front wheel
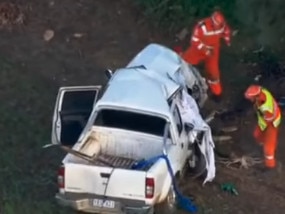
197	162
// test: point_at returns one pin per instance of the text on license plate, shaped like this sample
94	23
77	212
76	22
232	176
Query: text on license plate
103	203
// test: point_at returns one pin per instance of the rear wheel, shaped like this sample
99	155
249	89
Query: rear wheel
168	206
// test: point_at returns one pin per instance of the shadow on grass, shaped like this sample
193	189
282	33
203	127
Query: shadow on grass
27	172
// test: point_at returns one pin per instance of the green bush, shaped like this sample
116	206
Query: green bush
172	15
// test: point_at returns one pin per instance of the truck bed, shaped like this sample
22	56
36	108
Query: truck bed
114	161
116	148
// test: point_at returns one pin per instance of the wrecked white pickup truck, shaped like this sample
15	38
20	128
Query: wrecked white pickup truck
108	130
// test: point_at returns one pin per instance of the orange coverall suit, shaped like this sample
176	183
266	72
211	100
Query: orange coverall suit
206	37
266	132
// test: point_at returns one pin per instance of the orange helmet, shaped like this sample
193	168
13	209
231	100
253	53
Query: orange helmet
252	91
218	19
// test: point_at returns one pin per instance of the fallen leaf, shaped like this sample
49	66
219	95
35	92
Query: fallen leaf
78	35
48	35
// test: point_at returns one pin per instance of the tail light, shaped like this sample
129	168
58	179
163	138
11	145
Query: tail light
149	187
60	179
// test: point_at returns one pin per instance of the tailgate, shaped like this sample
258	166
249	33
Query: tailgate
101	180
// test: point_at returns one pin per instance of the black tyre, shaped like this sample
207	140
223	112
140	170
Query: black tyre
197	162
168	206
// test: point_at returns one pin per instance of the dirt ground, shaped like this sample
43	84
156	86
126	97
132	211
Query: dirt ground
32	69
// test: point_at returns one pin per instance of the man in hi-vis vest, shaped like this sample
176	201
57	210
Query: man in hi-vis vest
269	118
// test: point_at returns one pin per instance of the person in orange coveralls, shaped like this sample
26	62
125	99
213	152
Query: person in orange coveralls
269	118
205	46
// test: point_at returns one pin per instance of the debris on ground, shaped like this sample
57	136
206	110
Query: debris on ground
257	77
229	129
10	14
78	35
258	50
230	188
48	35
235	32
222	138
211	116
240	162
51	3
182	34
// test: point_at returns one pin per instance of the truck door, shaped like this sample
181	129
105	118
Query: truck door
73	107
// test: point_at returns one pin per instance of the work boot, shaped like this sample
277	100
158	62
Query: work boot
267	172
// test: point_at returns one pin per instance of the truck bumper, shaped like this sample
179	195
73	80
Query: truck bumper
84	204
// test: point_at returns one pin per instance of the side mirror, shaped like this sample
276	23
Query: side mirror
188	127
108	73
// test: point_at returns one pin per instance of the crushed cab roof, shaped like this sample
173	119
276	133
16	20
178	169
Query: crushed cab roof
159	58
144	85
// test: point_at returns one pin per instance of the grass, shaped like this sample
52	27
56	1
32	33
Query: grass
28	173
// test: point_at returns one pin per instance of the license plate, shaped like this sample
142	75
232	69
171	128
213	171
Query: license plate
103	203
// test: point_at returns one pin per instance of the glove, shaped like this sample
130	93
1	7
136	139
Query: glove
208	51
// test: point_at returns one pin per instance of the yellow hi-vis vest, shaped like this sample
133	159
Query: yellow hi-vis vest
271	106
